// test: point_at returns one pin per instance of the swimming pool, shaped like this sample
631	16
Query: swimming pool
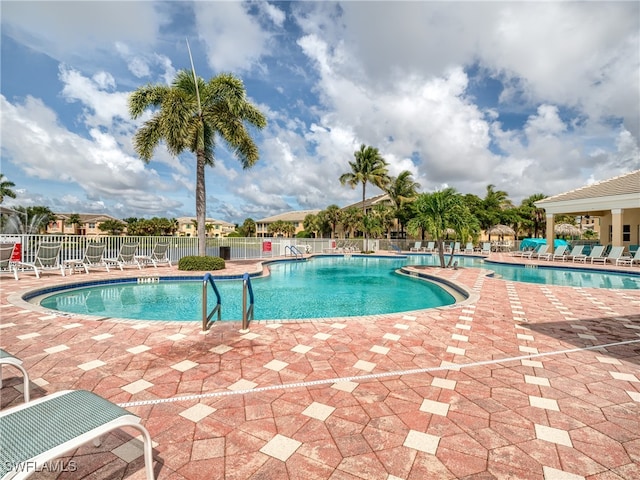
570	276
322	287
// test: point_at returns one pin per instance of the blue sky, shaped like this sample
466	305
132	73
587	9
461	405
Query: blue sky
532	97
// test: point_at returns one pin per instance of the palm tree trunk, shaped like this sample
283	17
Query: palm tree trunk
364	212
201	204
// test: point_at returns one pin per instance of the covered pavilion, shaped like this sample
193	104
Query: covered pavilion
615	201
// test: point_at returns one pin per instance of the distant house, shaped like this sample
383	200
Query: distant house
369	205
87	225
295	217
215	228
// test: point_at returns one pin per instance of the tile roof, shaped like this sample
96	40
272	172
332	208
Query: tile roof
294	216
87	217
626	184
370	201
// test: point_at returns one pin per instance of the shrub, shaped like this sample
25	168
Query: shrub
195	263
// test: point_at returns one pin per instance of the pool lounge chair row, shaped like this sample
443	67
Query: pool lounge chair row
454	247
39	431
596	255
47	258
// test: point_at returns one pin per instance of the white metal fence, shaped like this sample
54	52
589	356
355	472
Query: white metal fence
73	246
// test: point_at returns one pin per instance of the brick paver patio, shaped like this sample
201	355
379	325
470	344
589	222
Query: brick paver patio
521	381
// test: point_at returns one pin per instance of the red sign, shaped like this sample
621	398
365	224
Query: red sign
333	244
16	255
266	246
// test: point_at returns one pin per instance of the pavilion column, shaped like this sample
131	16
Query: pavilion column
616	227
550	236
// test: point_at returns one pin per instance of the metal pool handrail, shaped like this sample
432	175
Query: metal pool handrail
208	278
247	314
294	251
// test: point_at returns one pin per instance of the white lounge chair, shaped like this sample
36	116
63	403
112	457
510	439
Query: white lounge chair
6	264
539	250
525	252
7	359
628	259
486	248
47	258
452	248
557	253
416	247
430	248
37	432
93	258
575	251
596	251
160	254
468	248
126	257
614	254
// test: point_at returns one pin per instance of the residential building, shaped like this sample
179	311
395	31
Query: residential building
294	217
369	204
88	224
215	228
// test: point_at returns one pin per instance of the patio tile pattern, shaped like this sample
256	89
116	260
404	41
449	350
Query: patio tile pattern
521	381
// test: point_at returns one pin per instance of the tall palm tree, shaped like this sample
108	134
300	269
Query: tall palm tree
351	220
384	214
402	190
333	215
189	115
311	224
75	221
368	167
437	212
535	216
249	227
6	188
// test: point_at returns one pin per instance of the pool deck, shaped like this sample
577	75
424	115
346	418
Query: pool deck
522	381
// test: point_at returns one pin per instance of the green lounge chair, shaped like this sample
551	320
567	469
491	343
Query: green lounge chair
37	432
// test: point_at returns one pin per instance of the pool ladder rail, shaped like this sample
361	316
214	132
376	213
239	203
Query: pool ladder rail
247	295
295	252
206	317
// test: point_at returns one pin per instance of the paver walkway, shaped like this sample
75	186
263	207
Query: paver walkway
524	381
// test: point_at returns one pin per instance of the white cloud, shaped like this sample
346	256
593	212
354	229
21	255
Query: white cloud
34	140
102	108
401	76
65	30
233	38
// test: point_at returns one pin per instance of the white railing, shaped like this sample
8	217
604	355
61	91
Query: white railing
240	248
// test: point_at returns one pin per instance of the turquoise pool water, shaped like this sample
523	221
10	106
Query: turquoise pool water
322	287
573	276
